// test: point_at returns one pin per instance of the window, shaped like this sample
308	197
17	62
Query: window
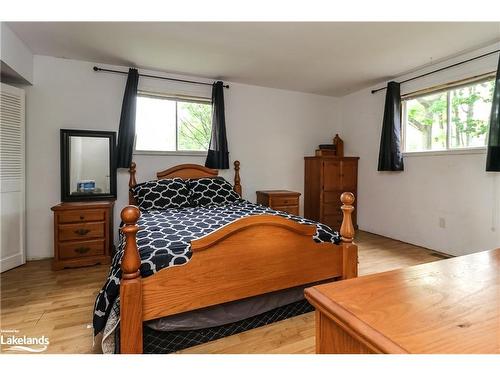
169	124
447	119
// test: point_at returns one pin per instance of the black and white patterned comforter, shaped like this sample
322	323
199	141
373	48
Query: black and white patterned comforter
165	236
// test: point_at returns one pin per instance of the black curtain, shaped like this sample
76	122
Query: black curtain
390	157
493	156
218	154
126	132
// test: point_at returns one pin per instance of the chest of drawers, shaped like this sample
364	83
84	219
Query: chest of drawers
82	233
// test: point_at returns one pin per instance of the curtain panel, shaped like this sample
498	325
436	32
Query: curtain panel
493	155
390	157
218	154
126	132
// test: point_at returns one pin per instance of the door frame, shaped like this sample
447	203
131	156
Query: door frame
19	258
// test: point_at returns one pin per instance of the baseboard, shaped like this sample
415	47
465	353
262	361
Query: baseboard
12	261
432	251
30	259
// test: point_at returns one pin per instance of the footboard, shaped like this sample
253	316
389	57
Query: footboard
249	257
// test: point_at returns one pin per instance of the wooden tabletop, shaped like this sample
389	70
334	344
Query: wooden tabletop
448	306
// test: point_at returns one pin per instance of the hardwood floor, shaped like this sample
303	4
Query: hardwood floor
58	304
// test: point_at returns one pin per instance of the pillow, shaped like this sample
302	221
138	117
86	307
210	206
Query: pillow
161	194
211	191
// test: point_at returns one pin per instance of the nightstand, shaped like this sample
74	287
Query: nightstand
82	233
280	200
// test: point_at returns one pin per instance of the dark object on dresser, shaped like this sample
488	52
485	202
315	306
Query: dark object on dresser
339	146
82	233
280	200
326	178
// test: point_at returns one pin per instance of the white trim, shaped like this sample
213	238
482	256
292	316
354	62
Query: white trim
16	185
12	261
458	151
171	153
176	97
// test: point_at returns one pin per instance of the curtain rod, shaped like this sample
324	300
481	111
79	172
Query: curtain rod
440	69
97	69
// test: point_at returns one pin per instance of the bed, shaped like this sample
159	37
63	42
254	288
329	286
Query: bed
250	251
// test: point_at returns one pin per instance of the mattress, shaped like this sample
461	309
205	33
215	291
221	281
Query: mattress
160	342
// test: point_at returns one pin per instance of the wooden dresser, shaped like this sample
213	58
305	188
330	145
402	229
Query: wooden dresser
280	200
325	179
82	233
445	307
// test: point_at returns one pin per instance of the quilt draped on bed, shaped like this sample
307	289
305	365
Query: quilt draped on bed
164	240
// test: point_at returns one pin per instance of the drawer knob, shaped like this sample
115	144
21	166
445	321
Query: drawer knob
82	250
82	217
82	231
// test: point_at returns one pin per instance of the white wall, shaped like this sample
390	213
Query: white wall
15	54
89	160
269	131
407	205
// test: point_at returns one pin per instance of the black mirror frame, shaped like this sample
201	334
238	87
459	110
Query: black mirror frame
65	164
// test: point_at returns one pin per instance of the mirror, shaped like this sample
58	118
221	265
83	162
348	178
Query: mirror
87	171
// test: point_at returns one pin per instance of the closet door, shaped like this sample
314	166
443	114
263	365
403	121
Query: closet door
12	178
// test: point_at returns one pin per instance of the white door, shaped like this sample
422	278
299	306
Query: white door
12	176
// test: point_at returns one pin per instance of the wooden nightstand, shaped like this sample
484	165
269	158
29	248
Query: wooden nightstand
280	200
82	233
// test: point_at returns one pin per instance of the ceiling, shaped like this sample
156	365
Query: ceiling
327	58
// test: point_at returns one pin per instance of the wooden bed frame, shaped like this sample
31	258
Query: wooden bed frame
249	257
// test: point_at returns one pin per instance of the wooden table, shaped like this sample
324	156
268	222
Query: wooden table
448	306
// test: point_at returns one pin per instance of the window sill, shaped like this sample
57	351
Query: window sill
465	151
172	153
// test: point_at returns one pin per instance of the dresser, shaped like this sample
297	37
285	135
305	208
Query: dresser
82	233
326	178
445	307
280	200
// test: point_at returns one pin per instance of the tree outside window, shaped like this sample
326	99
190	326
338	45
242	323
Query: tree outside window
450	119
172	125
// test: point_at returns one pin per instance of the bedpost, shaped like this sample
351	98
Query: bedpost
130	286
131	183
349	249
237	180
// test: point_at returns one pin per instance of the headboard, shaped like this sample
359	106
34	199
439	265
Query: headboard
184	171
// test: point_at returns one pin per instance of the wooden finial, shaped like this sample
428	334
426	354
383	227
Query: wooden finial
347	229
131	183
131	260
237	180
339	146
130	285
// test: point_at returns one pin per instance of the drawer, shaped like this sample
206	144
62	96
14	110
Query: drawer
333	221
332	197
68	232
294	210
77	216
80	249
332	209
284	201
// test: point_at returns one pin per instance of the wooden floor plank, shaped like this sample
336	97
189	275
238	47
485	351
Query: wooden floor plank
58	304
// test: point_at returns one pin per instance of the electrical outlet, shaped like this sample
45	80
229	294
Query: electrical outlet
442	222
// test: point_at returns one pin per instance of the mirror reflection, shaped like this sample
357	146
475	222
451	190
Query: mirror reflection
89	166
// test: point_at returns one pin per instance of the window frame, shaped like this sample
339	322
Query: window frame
434	90
177	98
